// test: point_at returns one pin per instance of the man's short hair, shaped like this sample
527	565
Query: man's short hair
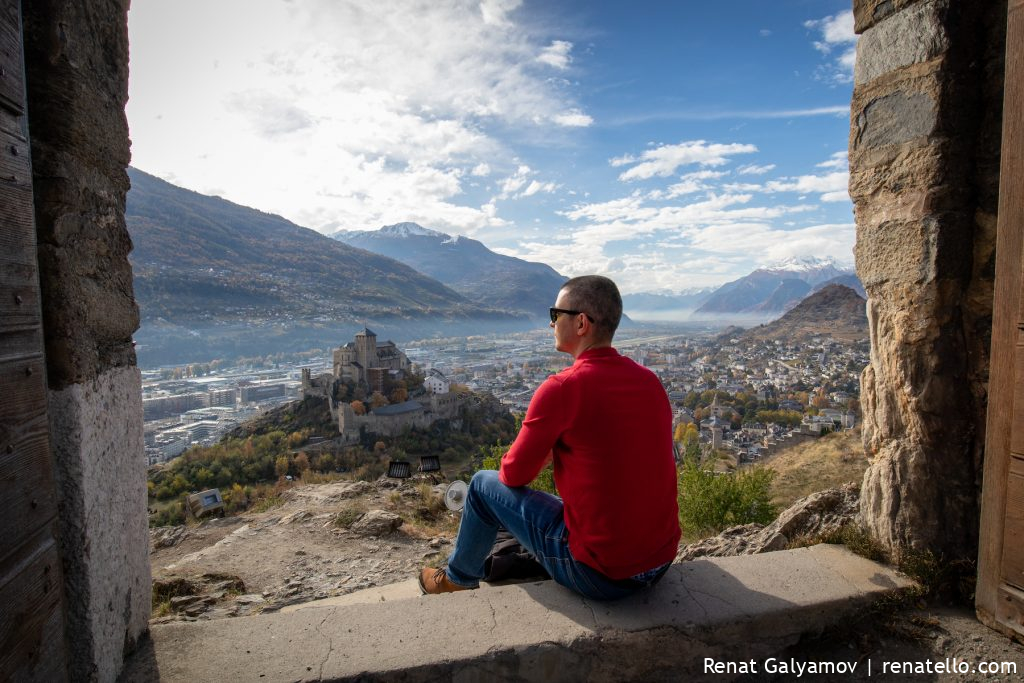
598	297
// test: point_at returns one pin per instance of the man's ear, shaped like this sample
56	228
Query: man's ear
582	326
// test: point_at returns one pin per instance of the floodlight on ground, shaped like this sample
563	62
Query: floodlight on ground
455	495
430	463
399	469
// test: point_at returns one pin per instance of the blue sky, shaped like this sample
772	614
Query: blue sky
669	145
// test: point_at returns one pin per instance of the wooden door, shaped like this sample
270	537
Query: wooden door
31	606
1000	594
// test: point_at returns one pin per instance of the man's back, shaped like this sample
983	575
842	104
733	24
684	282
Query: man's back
608	422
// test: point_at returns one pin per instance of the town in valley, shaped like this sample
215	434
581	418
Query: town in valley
743	396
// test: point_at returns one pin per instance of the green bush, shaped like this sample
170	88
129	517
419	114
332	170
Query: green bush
491	460
710	502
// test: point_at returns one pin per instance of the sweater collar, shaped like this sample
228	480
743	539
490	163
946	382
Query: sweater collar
604	352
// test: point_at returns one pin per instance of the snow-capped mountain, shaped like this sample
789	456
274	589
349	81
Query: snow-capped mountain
406	230
810	269
465	265
776	288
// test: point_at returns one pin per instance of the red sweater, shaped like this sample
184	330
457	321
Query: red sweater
607	423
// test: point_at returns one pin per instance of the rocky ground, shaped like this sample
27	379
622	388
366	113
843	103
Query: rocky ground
323	540
920	640
332	539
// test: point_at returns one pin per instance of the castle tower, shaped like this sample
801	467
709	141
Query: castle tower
366	349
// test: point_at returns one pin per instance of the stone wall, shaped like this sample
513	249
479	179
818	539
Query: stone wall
439	407
924	176
76	56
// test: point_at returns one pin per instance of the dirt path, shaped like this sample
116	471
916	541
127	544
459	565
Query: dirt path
297	552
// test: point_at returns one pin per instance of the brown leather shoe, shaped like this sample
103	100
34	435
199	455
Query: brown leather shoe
435	581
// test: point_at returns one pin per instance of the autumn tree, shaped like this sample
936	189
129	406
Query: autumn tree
378	400
281	465
400	395
302	462
358	407
325	463
680	432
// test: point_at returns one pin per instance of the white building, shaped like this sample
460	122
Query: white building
437	383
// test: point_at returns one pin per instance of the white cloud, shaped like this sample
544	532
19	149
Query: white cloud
349	102
753	114
690	183
831	186
743	187
495	12
573	118
836	196
664	160
754	169
269	115
839	160
556	54
837	35
534	187
511	184
521	179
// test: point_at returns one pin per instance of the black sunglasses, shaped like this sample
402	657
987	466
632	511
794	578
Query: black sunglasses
553	312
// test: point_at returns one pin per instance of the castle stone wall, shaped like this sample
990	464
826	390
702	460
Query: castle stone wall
924	165
76	56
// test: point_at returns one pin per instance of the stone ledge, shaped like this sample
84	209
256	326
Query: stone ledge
733	609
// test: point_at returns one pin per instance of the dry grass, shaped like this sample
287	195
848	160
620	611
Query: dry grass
830	461
423	511
346	517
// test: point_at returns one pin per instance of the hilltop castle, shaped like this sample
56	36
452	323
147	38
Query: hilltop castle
367	360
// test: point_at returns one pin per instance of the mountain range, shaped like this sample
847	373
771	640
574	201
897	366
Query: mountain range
213	277
216	279
466	266
775	289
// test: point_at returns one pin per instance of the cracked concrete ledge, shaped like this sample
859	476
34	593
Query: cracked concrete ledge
732	608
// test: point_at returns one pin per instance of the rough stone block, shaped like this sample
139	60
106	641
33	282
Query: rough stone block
892	173
892	251
76	57
895	119
867	13
913	250
910	37
100	470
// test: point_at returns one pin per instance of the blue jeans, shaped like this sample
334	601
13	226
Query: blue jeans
535	519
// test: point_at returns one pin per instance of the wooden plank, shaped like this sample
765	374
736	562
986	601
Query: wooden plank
1005	316
19	296
20	342
1017	419
29	502
17	238
1010	610
12	76
1013	534
31	586
31	621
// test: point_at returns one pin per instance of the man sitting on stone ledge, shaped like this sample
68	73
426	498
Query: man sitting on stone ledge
605	422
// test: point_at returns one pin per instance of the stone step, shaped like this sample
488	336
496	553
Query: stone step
367	596
728	609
